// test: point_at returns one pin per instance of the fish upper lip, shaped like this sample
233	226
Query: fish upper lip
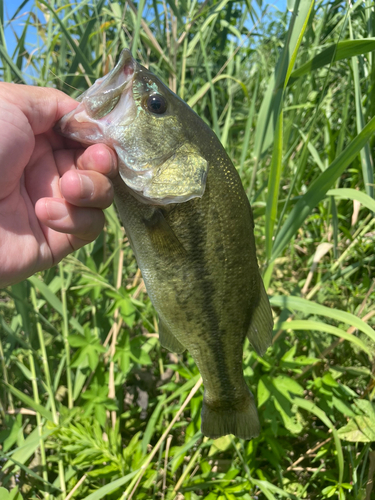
104	85
118	80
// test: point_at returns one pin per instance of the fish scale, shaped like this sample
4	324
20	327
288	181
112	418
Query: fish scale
190	225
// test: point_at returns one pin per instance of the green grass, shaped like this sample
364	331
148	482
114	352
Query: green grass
91	406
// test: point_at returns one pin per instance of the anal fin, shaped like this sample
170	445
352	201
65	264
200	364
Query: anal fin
168	340
260	330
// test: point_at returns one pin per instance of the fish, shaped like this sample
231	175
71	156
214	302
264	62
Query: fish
191	228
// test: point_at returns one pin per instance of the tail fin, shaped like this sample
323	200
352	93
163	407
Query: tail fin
218	420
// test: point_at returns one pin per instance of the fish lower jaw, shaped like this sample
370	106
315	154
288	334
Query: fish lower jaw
79	126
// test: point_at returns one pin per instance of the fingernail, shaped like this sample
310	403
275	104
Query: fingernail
87	187
56	210
112	163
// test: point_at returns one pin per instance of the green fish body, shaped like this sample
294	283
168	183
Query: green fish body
190	225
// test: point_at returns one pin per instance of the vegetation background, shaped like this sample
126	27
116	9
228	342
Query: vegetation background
91	406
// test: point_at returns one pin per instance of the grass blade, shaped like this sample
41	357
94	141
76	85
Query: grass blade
137	28
366	158
53	300
353	194
306	306
271	103
274	185
11	67
210	19
206	87
75	48
213	96
312	408
249	123
111	487
334	53
323	327
82	45
29	402
319	188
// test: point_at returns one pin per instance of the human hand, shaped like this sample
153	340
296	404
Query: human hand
52	191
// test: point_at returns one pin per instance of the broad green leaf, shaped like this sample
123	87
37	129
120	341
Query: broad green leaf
263	392
360	428
311	407
103	471
4	494
342	406
219	445
287	385
299	20
329	491
13	494
78	340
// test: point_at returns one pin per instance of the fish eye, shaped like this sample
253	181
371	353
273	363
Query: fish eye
156	104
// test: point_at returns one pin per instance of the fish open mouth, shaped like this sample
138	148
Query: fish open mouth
132	112
102	104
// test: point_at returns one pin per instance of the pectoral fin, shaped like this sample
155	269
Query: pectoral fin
168	340
260	330
162	236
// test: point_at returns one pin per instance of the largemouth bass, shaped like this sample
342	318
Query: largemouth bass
190	225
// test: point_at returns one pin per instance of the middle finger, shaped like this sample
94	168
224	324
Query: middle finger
86	189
